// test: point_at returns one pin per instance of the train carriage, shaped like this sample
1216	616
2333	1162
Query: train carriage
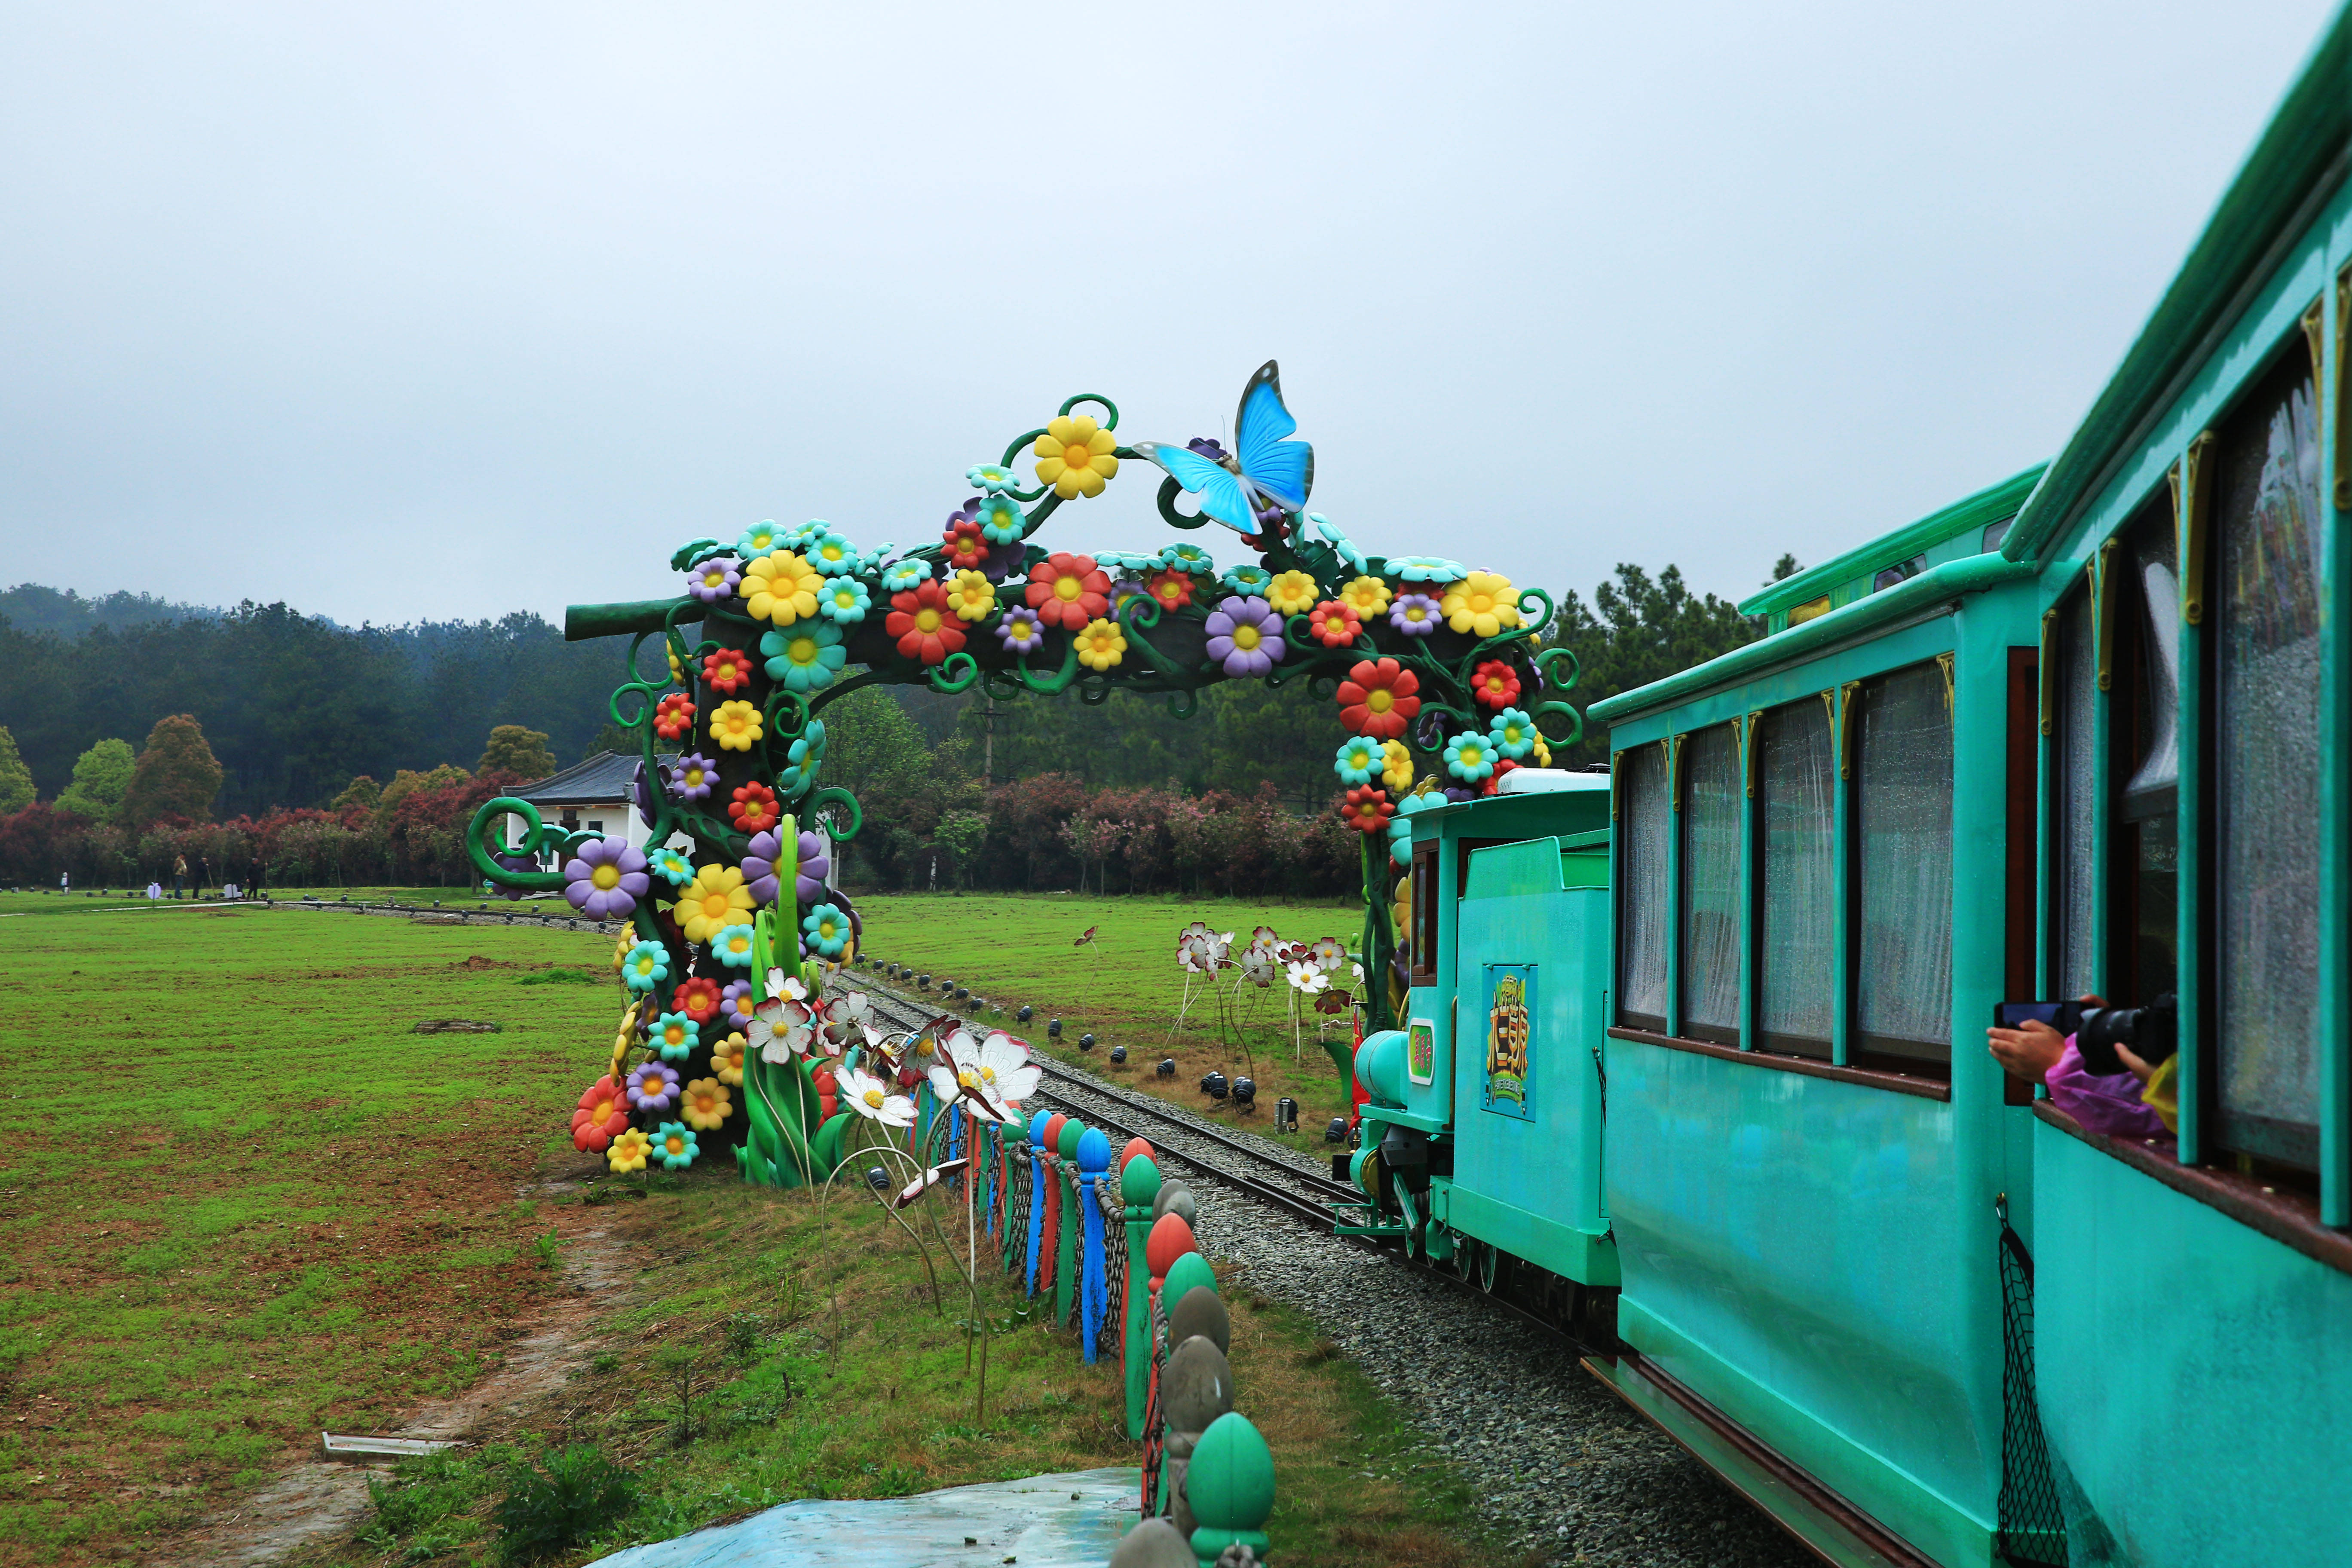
1705	1050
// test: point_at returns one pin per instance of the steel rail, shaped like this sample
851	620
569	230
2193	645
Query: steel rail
1304	1209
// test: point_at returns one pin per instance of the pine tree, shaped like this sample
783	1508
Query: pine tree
101	777
15	779
177	774
515	749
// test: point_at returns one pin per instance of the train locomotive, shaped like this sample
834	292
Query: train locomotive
1695	1048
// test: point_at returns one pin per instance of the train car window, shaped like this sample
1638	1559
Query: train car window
1710	902
1423	936
2144	696
2074	803
1901	807
1796	801
2264	734
1645	822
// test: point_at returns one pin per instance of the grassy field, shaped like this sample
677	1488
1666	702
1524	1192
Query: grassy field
246	1205
1125	988
841	1378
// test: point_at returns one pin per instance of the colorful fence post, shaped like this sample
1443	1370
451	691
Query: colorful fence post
1066	1190
1094	1159
1038	1188
1139	1184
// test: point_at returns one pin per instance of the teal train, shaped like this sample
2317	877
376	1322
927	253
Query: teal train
1695	1049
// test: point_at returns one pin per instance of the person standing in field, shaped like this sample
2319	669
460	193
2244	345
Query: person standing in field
204	875
179	874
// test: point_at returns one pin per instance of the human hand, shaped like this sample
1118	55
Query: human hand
2139	1069
2028	1053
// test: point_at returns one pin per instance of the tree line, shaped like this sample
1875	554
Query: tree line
297	719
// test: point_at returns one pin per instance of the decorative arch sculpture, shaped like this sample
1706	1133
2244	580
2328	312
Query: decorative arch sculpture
1437	671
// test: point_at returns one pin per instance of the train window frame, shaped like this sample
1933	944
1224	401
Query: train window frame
1422	920
1886	1050
2293	1150
1684	912
1764	735
1625	768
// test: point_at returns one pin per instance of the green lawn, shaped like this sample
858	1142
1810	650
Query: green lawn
246	1203
1125	988
249	1205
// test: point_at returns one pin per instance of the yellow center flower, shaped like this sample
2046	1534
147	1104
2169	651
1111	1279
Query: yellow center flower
1101	645
1293	594
1074	456
736	724
1482	604
1380	700
604	879
927	620
1246	636
782	587
873	1097
802	650
1368	596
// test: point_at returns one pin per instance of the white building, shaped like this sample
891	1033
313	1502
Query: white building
592	795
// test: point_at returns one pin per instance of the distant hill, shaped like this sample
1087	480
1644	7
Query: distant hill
34	608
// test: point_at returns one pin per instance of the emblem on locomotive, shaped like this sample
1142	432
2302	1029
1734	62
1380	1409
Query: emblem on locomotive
1510	991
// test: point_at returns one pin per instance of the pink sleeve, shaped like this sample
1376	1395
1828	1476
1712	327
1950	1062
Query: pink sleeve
2107	1105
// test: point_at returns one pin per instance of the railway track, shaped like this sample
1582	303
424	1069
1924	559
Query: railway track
1255	1172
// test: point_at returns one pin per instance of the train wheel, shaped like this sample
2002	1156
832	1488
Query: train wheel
1489	1262
1466	1254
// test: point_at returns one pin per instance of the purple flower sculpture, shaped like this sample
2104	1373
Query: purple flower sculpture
1457	794
809	885
513	863
1020	629
735	1003
1415	615
691	776
1245	635
713	582
653	1087
641	790
605	879
759	859
1207	449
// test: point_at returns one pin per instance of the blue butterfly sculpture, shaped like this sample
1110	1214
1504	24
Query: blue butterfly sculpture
1266	472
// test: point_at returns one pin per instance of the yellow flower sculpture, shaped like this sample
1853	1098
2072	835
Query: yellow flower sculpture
971	596
714	900
628	1151
1368	596
1293	594
1482	604
1396	767
706	1104
727	1059
1543	753
1074	456
1101	645
735	726
780	587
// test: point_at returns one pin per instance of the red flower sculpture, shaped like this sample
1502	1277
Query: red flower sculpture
696	998
726	670
1496	684
1368	810
754	808
1494	784
966	547
1172	588
603	1116
1334	624
1068	590
1378	699
673	716
925	627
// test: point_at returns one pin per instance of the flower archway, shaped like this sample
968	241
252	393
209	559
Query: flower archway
1435	669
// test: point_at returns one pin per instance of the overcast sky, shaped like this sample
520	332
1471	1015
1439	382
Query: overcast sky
420	311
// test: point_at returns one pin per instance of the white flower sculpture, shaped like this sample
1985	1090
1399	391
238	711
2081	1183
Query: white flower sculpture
868	1096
